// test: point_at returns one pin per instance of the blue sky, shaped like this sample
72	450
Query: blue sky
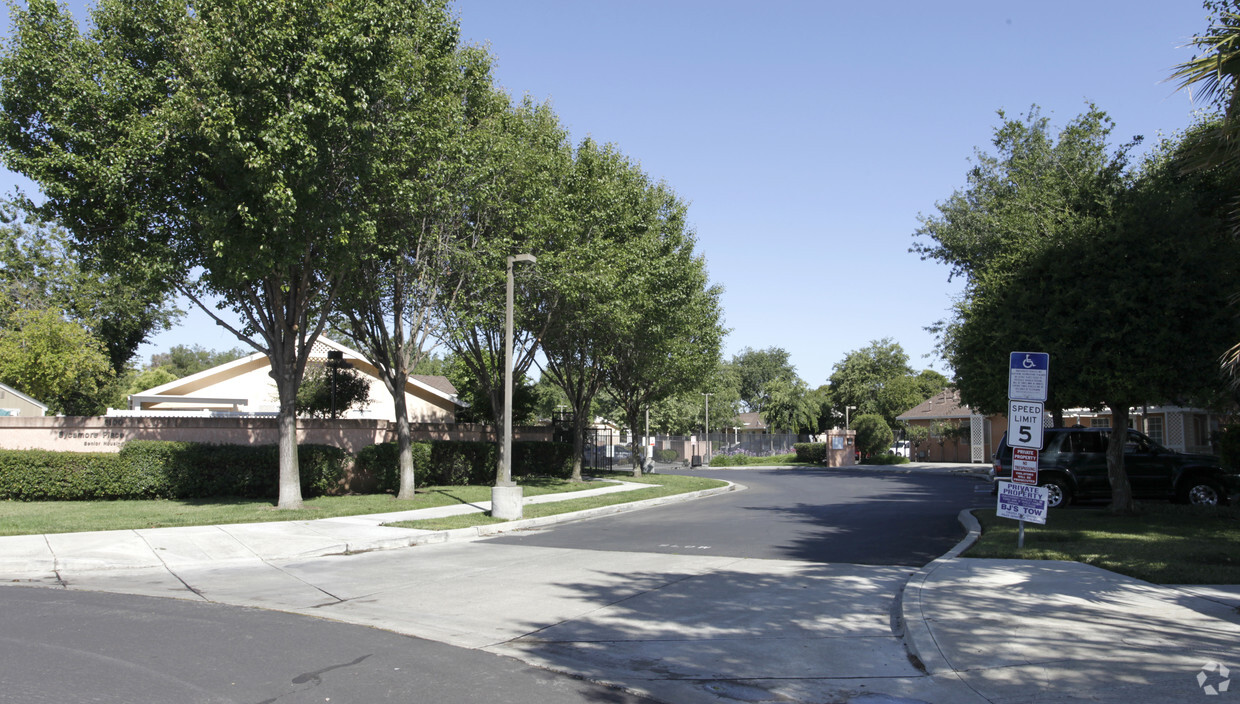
809	136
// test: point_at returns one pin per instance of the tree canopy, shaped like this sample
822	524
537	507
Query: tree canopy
877	379
1120	274
229	147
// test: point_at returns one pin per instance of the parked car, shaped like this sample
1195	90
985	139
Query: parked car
1073	465
901	448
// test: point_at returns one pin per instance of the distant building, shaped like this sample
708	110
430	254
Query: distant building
957	433
970	437
245	387
15	403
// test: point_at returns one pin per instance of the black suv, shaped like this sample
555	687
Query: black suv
1073	464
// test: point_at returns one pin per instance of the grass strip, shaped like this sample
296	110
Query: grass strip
1163	543
660	485
40	517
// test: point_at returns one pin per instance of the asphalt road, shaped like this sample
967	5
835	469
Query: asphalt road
71	646
682	626
862	517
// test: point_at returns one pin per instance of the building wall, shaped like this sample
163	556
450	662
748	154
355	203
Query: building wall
252	381
993	428
18	406
108	433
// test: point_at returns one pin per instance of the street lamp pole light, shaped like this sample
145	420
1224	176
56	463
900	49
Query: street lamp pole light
506	495
708	426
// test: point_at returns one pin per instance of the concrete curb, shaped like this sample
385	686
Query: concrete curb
486	531
918	638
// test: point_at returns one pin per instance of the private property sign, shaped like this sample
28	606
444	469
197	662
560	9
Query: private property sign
1024	503
1025	465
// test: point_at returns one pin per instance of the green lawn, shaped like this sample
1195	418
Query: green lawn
1163	544
38	517
660	485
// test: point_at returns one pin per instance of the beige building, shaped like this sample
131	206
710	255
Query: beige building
958	434
15	403
245	387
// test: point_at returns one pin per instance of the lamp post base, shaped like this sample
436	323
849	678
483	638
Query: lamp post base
506	502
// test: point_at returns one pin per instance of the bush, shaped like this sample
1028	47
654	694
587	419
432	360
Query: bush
815	452
666	456
41	475
873	434
1228	439
147	469
885	458
455	463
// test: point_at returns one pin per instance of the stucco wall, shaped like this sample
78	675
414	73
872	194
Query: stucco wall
107	433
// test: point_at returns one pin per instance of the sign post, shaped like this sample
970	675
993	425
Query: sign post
1022	498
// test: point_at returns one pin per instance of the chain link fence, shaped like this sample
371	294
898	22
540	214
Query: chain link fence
614	451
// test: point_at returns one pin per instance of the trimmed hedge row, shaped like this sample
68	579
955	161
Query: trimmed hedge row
815	452
148	469
454	463
666	456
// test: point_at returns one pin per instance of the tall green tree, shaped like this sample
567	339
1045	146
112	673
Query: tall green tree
1214	73
754	369
229	146
514	205
673	329
789	406
612	211
860	381
1037	192
1120	281
418	197
54	360
182	361
39	268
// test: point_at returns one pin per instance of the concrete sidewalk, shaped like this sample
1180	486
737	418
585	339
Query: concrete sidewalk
44	556
692	628
1026	631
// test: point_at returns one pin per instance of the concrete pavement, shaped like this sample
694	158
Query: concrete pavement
693	628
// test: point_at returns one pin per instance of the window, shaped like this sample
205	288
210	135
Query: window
1085	442
1201	430
1099	422
1154	428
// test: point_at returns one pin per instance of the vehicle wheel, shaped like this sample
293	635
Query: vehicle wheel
1057	493
1202	491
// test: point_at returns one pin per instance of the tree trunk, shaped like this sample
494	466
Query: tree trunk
1121	490
637	462
290	472
579	444
404	444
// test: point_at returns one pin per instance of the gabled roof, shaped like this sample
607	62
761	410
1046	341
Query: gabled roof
438	386
24	397
945	404
751	421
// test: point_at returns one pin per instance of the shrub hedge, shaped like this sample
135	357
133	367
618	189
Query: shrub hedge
666	456
815	452
169	470
453	463
148	469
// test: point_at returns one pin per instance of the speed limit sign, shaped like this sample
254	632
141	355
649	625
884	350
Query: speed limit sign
1025	424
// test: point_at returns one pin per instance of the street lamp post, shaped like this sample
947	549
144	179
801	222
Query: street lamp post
707	461
506	494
